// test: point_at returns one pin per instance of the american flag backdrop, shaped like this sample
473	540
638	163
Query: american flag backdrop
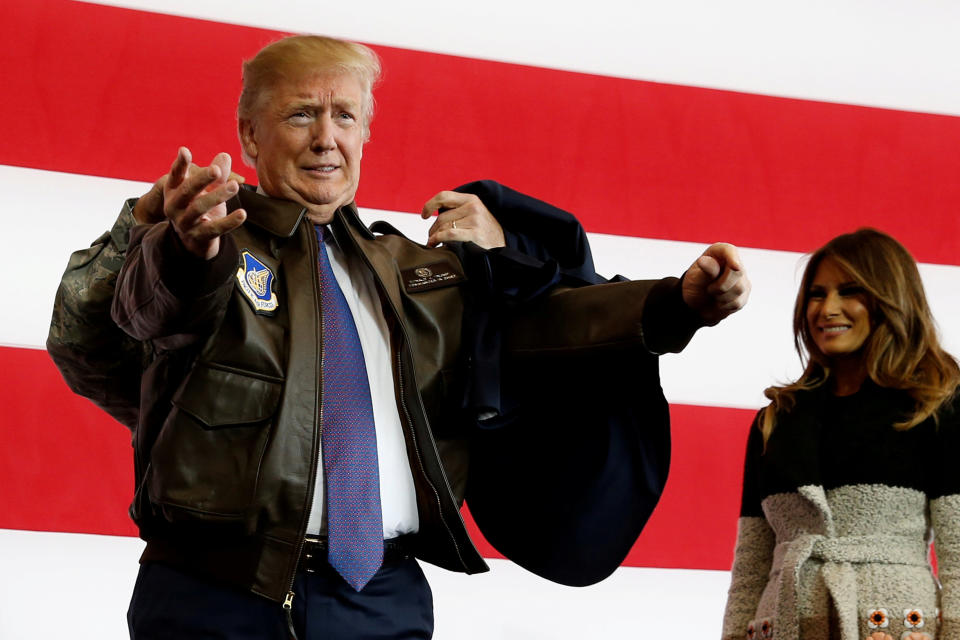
663	126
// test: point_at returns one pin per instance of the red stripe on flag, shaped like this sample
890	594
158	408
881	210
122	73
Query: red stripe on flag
67	466
105	91
694	526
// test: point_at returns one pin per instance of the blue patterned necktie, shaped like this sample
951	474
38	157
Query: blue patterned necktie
354	517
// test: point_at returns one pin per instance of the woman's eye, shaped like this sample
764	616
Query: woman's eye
851	291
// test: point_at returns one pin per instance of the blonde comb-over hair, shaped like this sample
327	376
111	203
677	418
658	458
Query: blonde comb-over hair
291	57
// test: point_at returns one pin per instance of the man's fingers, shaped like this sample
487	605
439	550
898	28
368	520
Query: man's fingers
197	182
434	204
227	223
193	201
448	235
196	170
731	291
202	239
447	220
217	196
446	200
462	217
726	281
179	168
716	285
181	163
435	226
205	204
222	161
207	228
729	297
726	254
709	266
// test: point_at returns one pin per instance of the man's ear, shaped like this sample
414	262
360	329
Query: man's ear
248	140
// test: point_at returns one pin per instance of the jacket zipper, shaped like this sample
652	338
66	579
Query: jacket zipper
315	458
416	448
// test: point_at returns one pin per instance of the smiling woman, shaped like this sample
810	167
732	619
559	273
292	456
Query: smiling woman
849	470
861	312
837	316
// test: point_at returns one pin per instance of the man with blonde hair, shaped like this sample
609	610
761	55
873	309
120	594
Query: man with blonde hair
299	431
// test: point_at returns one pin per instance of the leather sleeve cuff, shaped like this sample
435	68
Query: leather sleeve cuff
184	274
668	323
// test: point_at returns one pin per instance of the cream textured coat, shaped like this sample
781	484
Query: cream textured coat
836	523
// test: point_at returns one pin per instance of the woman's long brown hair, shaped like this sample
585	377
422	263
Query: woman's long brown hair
903	350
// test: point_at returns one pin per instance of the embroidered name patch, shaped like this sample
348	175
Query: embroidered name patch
430	276
256	283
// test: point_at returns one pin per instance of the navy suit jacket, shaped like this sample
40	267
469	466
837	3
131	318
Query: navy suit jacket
565	476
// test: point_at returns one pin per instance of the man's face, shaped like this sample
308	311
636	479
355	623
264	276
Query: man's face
307	141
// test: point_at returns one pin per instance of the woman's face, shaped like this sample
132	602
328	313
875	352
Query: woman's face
837	315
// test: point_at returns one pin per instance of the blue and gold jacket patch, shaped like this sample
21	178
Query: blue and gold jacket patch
256	283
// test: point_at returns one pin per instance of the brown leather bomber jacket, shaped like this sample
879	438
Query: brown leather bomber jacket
226	445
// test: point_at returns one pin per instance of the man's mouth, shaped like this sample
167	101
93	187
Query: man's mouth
322	168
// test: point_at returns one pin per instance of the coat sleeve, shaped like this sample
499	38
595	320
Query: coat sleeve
645	313
96	358
572	452
548	250
753	554
166	294
945	518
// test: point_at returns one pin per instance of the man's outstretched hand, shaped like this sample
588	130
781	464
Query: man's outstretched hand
716	285
194	199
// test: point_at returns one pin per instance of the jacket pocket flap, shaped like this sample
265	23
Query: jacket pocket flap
217	397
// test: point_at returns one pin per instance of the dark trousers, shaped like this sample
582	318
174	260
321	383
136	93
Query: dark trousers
396	604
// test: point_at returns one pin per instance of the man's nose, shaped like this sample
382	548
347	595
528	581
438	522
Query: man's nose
323	138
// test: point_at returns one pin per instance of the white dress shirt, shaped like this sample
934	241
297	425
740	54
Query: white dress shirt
398	497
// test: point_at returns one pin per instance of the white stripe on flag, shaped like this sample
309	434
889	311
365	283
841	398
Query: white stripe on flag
68	585
883	54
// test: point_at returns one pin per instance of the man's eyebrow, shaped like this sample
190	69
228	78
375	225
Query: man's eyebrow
345	101
307	100
295	104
